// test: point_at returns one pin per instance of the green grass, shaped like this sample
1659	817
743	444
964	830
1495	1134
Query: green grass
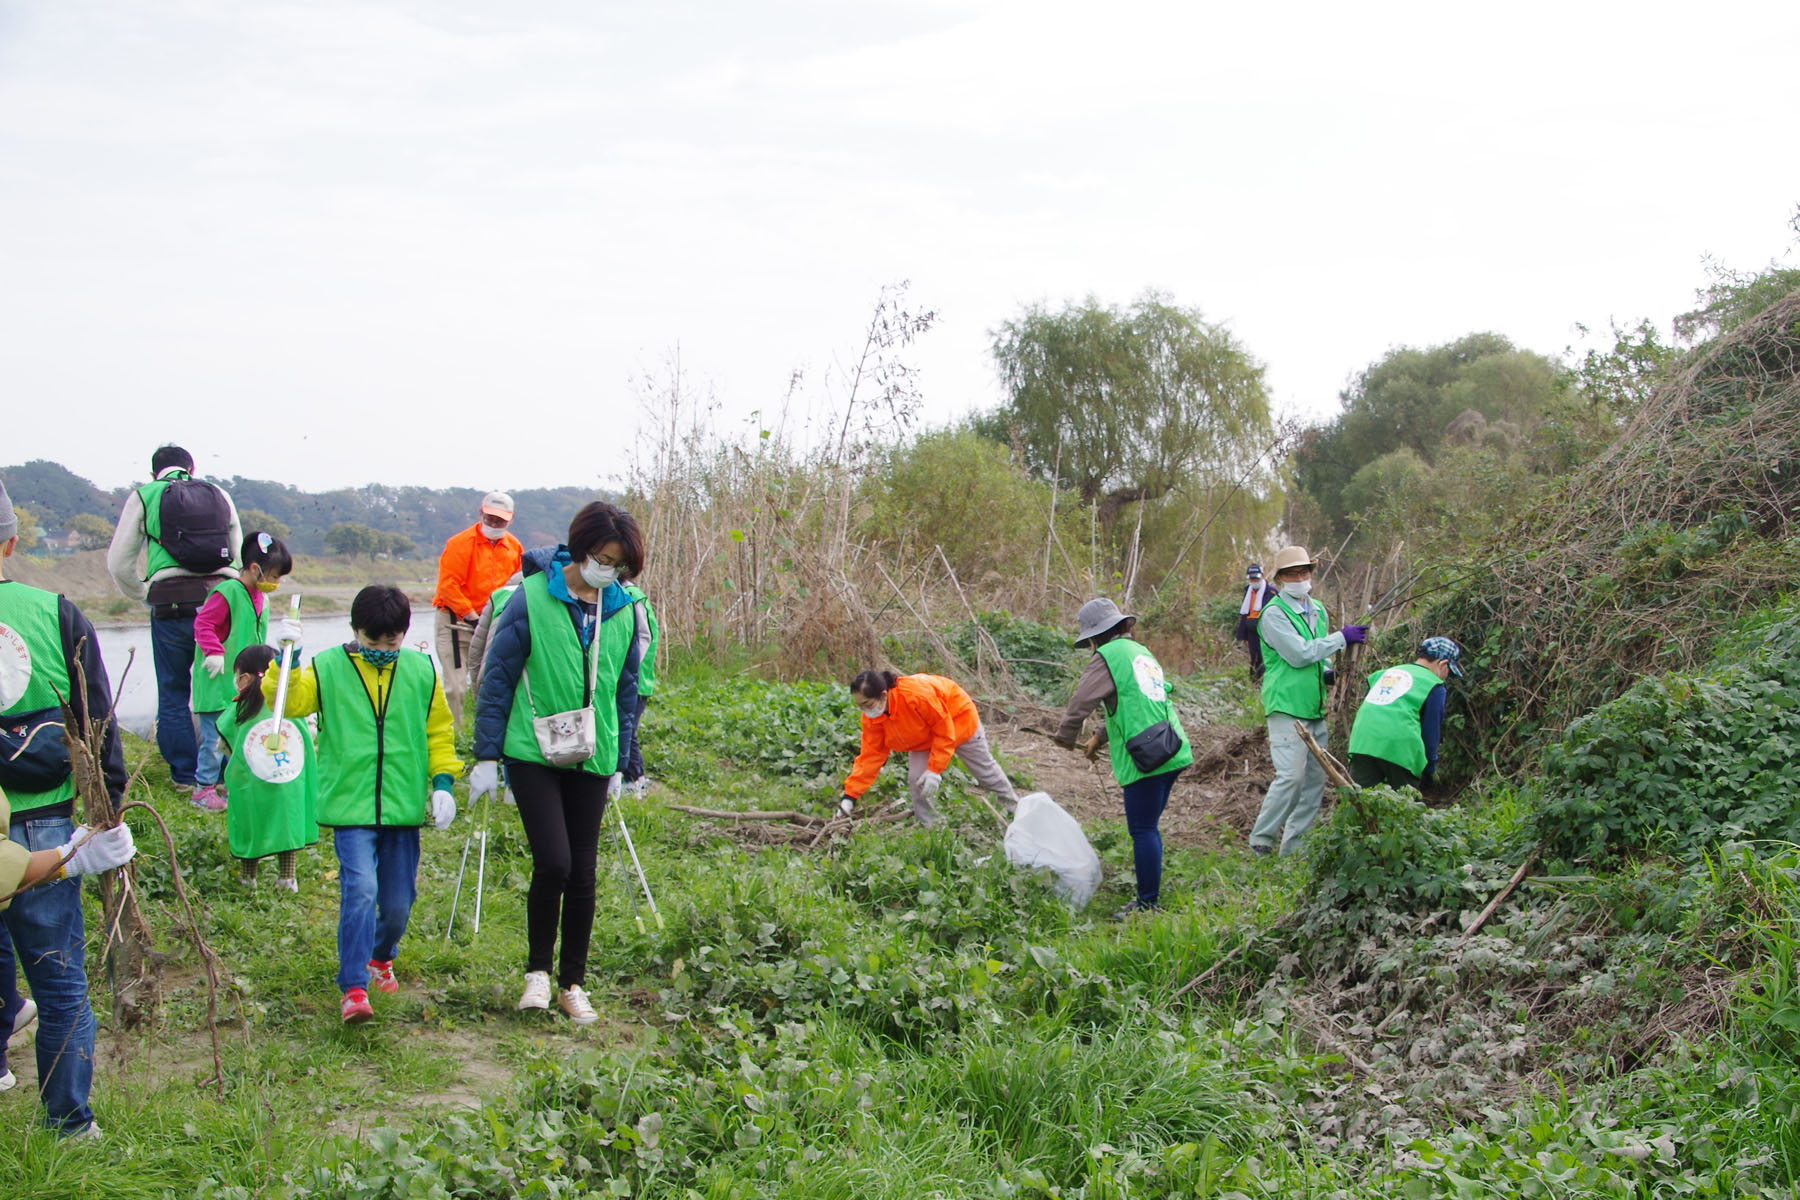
907	1016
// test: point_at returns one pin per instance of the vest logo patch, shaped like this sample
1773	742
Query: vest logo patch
275	759
15	666
1393	684
1149	675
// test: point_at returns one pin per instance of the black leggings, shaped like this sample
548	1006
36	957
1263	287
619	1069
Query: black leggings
1369	771
561	811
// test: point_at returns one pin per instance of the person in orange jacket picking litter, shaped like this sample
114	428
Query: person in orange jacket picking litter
932	720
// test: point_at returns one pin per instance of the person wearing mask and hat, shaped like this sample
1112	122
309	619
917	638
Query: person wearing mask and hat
1394	739
1295	638
1148	748
474	562
1257	594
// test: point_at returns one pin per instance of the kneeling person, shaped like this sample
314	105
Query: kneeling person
1395	737
387	760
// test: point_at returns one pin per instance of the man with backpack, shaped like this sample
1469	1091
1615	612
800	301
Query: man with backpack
177	537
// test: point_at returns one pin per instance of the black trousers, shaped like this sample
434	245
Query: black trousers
561	811
1368	771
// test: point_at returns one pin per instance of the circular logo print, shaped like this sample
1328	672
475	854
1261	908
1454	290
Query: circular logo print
272	759
1149	674
1393	684
15	666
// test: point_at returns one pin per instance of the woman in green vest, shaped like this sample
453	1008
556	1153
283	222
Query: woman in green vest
1394	739
1145	741
273	778
235	616
558	702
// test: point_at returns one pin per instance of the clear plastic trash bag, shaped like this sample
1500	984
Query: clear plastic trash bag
1043	835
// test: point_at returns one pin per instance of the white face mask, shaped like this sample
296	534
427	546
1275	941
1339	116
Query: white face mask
1297	589
492	533
873	709
596	575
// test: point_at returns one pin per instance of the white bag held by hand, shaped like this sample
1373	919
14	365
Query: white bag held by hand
1043	835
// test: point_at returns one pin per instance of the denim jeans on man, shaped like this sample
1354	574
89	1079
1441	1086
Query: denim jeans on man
48	942
1144	804
378	872
172	648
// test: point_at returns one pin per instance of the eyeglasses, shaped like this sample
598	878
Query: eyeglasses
495	522
607	560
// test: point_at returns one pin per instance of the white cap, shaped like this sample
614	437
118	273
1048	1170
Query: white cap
497	504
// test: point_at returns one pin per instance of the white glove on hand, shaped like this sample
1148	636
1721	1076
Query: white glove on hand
614	782
847	806
484	780
931	783
214	664
288	631
105	850
443	809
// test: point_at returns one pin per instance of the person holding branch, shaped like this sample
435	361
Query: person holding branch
558	703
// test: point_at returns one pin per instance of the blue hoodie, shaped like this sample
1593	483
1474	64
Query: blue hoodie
509	645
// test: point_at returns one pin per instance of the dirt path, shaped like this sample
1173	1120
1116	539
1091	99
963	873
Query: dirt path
1214	802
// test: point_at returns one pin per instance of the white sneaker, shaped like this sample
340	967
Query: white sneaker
8	1081
91	1134
24	1021
574	1001
537	990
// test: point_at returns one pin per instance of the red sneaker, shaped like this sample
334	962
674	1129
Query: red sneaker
381	974
356	1008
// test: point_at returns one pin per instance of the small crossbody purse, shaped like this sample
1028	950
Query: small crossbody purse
567	739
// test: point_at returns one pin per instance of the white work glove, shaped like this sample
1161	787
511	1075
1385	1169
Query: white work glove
614	782
929	785
105	850
847	804
484	780
288	631
214	664
443	809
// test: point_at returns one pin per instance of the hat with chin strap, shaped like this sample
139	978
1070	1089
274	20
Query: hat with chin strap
1095	618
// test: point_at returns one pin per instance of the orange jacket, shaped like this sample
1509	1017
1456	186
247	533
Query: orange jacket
471	567
924	712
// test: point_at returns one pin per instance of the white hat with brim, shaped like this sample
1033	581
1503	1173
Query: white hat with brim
497	504
1095	618
1288	557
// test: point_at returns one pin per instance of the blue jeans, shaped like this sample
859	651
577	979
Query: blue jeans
1144	804
172	649
48	940
10	1003
378	879
210	763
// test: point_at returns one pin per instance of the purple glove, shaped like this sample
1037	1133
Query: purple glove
1355	634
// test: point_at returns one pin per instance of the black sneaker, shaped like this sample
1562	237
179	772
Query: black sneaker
1136	906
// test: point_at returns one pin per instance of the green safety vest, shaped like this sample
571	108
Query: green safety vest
647	668
32	671
268	818
1142	701
156	558
1387	724
558	671
374	763
1296	691
214	693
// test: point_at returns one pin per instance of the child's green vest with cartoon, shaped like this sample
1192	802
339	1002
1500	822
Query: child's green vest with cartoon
266	818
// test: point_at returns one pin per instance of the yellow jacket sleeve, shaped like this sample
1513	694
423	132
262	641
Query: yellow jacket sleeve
302	693
440	735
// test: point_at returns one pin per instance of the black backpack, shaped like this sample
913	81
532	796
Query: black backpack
196	525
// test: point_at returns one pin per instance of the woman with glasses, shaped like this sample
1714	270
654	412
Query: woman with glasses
557	705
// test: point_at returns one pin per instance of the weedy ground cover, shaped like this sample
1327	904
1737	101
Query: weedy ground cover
906	1015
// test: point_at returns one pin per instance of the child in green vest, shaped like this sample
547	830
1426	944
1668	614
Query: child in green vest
387	760
648	634
234	616
1394	739
273	778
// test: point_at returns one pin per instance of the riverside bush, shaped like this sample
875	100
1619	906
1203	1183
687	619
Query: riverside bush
1382	848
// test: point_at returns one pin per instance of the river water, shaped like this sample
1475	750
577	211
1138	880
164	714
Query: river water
137	699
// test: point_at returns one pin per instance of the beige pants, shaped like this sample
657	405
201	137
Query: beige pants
976	758
453	657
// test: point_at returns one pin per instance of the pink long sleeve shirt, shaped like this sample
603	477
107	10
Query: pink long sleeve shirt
212	624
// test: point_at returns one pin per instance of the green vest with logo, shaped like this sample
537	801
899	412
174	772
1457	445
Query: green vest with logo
214	693
374	757
646	668
1387	724
1142	701
557	669
1296	691
268	818
32	672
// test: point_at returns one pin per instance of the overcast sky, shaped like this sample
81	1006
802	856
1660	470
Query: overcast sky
443	241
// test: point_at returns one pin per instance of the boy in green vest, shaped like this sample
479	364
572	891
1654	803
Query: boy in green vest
387	760
1394	739
1296	639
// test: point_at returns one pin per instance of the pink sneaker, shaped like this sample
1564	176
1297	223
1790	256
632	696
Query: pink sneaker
381	974
207	797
